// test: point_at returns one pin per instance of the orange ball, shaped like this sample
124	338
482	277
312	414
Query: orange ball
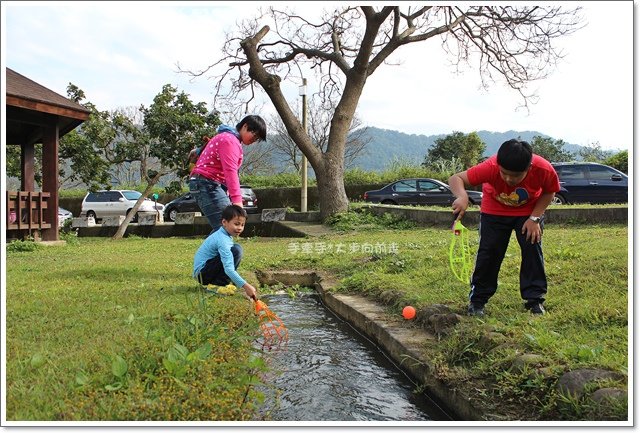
408	312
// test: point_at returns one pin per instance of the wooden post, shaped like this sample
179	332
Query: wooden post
27	162
50	180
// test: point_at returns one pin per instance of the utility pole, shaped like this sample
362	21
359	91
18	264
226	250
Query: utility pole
303	193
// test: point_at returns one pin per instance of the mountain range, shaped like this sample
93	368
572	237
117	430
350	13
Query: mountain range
384	146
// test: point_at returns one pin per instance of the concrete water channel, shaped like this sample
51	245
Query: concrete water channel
380	343
328	371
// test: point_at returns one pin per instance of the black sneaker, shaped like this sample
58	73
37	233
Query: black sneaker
475	310
536	308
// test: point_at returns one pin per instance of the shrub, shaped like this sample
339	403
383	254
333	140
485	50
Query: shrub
22	246
357	176
280	180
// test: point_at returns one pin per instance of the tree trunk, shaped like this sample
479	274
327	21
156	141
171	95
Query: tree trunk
123	227
333	197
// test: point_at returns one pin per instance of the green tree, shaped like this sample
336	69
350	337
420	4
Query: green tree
176	125
593	153
85	150
172	126
347	45
619	160
551	149
466	148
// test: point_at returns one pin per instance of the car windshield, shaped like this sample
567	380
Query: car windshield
132	195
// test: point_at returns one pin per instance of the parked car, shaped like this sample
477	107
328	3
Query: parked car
187	203
63	215
184	203
419	191
116	202
589	182
249	199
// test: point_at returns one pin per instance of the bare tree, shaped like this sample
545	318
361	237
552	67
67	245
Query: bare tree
128	170
346	46
319	124
257	158
283	144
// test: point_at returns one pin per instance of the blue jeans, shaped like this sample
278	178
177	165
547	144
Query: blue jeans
211	197
213	271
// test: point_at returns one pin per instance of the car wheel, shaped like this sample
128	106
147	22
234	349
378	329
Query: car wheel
172	214
559	199
388	202
92	214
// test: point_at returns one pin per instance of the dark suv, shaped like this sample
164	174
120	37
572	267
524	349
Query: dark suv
589	182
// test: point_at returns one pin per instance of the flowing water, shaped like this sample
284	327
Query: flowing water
329	372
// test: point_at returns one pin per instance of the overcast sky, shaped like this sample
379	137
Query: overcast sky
122	53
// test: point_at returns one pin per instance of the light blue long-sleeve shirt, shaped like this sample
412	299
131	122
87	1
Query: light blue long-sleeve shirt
218	243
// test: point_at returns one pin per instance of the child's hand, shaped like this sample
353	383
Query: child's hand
532	231
250	291
460	205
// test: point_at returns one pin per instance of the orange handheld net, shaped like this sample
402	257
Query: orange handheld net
273	330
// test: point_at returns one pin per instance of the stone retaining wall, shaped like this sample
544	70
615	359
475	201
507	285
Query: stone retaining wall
425	217
200	229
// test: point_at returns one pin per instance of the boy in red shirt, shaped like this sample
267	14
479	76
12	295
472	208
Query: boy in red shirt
517	187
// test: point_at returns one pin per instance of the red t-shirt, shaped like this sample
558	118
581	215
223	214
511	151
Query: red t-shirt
498	198
220	161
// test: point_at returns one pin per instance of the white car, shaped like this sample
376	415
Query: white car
63	215
116	202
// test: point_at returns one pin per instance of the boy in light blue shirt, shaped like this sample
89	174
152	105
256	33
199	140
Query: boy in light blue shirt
217	259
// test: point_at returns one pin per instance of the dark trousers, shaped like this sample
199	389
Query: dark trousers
495	232
213	271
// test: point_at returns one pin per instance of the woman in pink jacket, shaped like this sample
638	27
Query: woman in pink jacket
214	181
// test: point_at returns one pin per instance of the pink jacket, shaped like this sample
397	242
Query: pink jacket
220	161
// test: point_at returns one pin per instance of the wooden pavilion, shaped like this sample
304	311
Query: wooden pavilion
35	114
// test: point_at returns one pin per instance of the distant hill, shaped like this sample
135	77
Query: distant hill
386	145
383	148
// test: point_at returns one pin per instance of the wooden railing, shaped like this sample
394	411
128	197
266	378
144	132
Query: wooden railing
25	210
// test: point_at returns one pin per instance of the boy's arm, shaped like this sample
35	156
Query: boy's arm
457	183
542	204
226	257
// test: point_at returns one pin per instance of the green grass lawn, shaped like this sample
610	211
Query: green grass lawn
117	330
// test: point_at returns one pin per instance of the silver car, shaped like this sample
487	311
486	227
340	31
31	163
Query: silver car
63	215
115	202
